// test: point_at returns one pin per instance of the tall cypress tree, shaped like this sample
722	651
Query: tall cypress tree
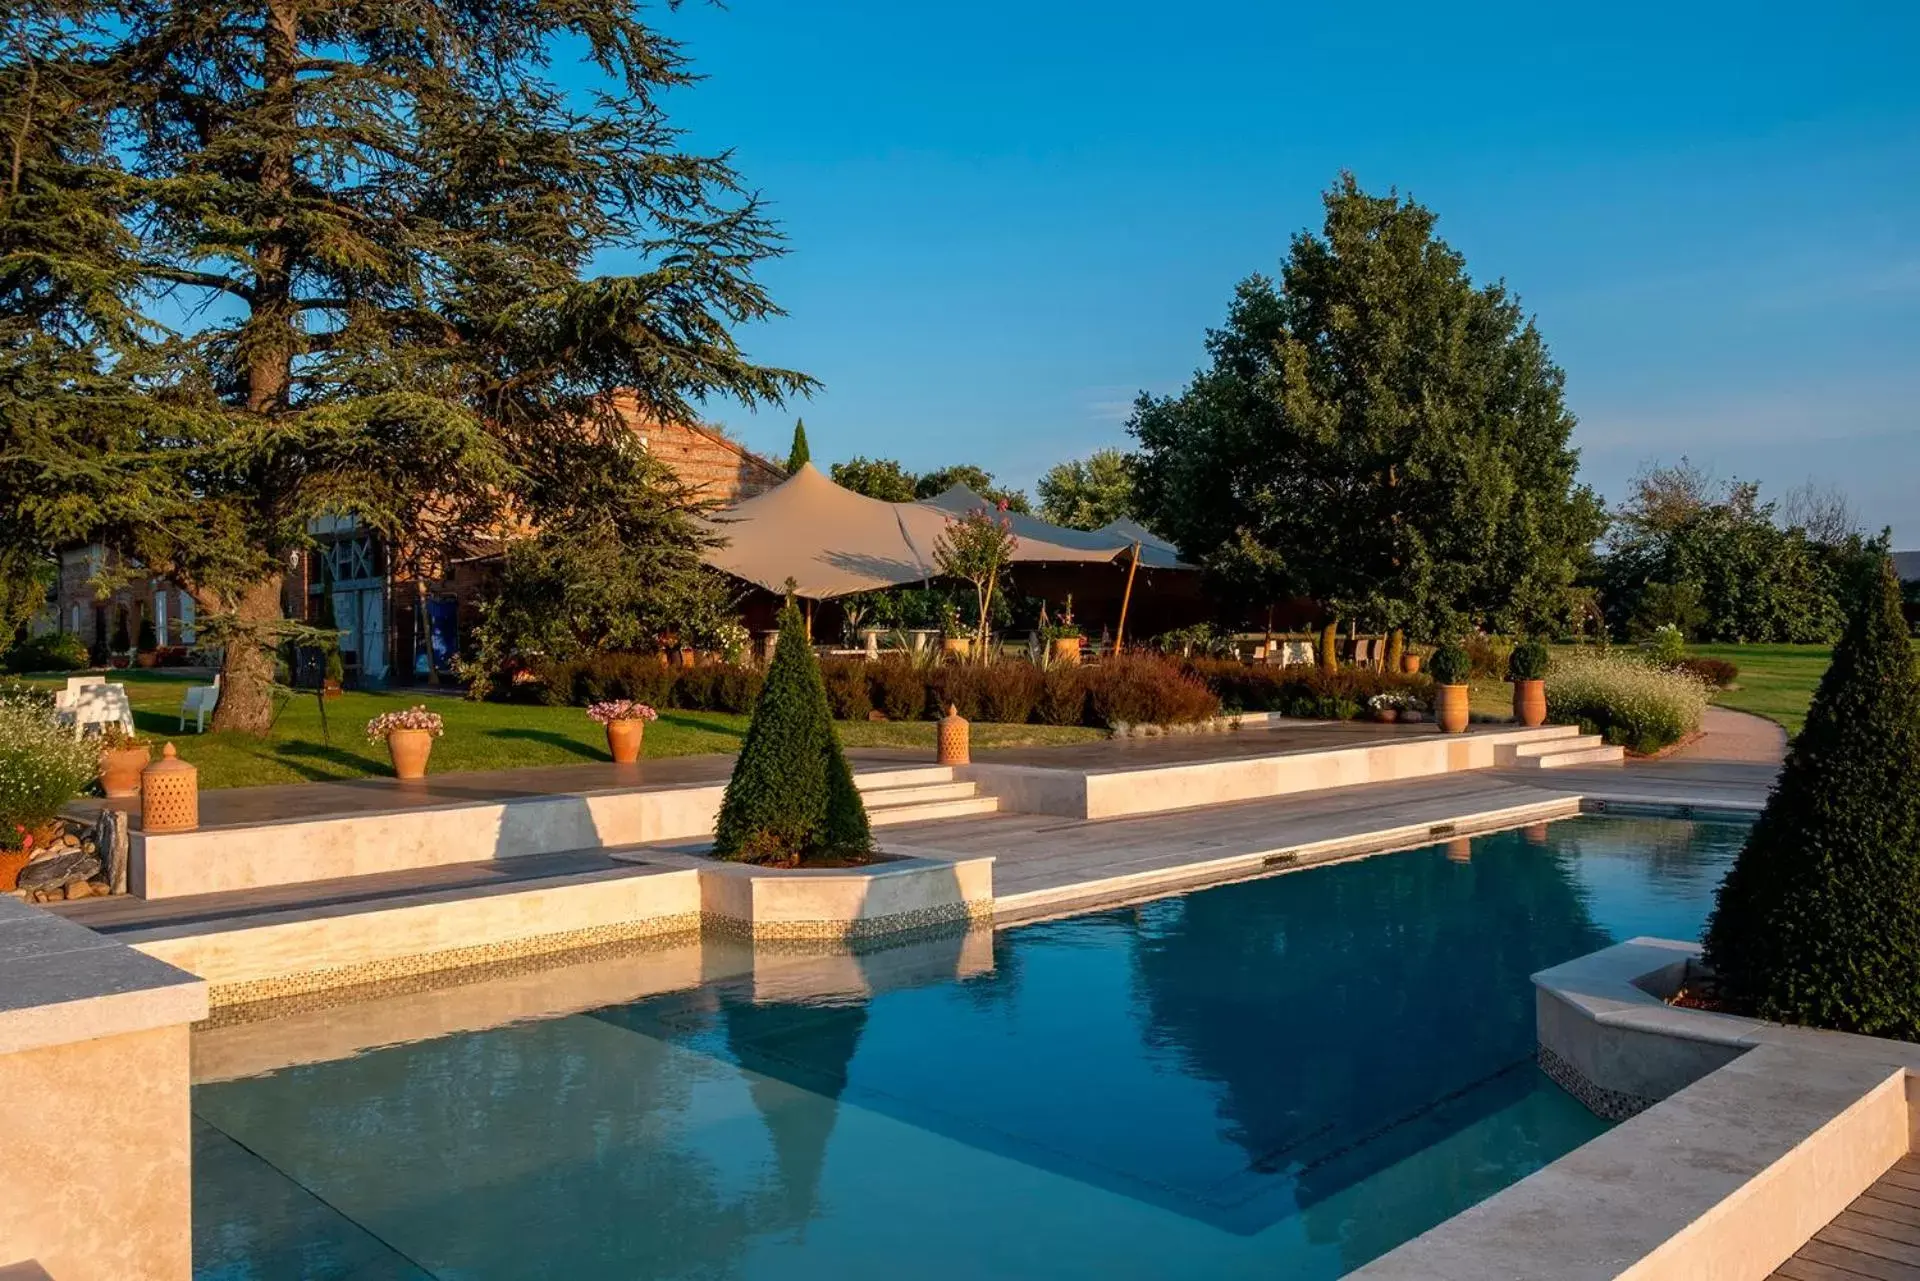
1818	922
267	260
792	797
798	455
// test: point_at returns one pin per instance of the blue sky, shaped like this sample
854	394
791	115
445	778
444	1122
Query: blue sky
1005	220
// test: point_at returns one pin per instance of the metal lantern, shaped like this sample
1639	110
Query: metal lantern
952	738
169	794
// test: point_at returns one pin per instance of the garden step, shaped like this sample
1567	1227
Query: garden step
1605	754
888	797
910	776
930	810
1571	742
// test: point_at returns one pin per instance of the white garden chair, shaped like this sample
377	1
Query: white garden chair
197	702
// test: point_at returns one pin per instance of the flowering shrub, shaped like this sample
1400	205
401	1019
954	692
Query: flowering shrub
415	717
732	639
621	709
1394	700
42	767
1634	704
1668	645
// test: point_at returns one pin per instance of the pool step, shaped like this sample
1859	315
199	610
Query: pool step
917	801
1558	753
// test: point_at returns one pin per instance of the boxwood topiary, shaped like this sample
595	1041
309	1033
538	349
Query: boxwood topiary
1818	921
1450	665
791	798
1529	661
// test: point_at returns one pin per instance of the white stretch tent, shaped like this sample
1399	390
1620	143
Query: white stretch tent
833	542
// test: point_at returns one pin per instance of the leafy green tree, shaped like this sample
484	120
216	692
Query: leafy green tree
1089	492
939	481
798	455
610	575
977	547
1716	561
1818	922
791	799
1375	432
265	262
26	588
881	478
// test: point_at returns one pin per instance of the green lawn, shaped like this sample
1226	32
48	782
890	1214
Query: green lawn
478	735
1775	681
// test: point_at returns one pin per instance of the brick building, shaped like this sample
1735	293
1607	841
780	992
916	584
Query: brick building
389	619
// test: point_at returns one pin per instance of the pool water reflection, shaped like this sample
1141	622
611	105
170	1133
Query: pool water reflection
1283	1077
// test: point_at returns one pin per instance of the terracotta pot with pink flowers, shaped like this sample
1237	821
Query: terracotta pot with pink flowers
409	737
625	722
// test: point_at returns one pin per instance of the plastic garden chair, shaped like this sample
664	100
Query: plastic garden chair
197	702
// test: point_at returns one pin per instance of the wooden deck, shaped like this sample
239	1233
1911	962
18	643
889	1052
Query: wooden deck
1877	1238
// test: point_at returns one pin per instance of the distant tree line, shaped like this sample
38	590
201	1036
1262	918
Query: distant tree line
1719	562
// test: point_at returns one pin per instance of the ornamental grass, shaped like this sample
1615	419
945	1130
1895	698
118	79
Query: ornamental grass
1630	702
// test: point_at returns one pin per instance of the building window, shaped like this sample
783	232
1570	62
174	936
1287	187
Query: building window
160	617
186	619
74	624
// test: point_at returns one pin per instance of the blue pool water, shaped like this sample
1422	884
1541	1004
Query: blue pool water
1277	1078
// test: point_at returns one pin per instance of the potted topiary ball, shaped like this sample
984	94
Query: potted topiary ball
1527	669
1450	667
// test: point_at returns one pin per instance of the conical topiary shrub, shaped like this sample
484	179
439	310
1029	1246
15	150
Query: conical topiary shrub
1818	922
791	798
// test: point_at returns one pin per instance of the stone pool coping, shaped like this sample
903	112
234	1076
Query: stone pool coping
1764	1134
94	1129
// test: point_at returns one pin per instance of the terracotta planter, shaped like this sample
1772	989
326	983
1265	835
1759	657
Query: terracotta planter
330	688
1410	663
120	769
623	740
410	749
1450	708
11	861
147	658
1066	649
1386	715
959	646
687	657
1530	702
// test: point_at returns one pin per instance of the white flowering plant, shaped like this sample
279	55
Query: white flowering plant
1393	700
42	767
1638	706
621	709
415	717
732	638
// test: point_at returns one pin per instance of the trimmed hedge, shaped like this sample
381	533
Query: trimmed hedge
1818	921
1634	704
1133	690
52	652
1308	692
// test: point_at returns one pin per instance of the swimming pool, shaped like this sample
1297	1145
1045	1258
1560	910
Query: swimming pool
1279	1077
